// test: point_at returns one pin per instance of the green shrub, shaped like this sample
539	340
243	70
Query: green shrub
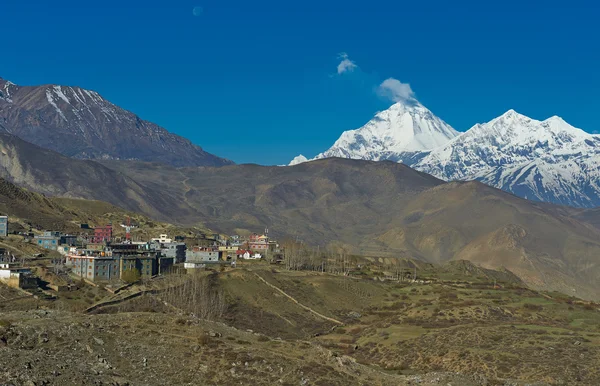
131	276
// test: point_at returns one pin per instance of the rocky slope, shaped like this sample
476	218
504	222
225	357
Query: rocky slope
52	174
28	209
545	245
82	124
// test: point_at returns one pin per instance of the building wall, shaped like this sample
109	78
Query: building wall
175	250
104	269
202	256
68	239
261	246
18	279
3	226
47	242
103	234
147	266
112	268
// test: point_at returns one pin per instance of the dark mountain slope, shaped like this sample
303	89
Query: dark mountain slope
320	202
80	123
388	209
542	244
50	173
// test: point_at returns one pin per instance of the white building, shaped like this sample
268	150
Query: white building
15	276
162	239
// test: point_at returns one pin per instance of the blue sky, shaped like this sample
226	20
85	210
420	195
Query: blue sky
256	81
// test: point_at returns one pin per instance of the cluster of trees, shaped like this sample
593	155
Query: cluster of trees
196	294
299	256
338	261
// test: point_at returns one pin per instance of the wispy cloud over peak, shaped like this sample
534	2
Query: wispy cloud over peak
395	90
346	65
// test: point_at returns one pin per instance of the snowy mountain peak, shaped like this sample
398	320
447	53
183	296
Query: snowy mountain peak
546	160
397	133
510	117
557	119
6	89
298	160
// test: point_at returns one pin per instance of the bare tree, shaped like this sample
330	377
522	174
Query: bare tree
196	294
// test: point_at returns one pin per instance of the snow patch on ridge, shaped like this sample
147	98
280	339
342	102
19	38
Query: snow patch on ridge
50	99
298	160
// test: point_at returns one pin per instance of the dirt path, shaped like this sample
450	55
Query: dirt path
186	187
297	302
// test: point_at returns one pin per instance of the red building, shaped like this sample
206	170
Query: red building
258	242
103	234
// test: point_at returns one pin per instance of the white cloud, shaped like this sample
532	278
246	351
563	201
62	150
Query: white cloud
395	90
346	65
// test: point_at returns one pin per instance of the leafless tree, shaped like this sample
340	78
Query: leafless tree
197	294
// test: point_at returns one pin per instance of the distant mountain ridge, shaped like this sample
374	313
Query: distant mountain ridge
386	209
80	123
548	160
373	208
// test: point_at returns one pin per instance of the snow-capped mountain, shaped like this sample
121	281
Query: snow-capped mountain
547	160
80	123
399	133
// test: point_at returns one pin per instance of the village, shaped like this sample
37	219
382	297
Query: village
98	256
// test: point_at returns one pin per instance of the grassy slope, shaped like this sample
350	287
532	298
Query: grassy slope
453	323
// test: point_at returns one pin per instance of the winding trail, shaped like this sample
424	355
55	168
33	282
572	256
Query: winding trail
297	302
186	187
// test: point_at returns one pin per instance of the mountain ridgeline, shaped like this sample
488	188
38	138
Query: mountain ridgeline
82	124
548	160
388	209
366	207
376	207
